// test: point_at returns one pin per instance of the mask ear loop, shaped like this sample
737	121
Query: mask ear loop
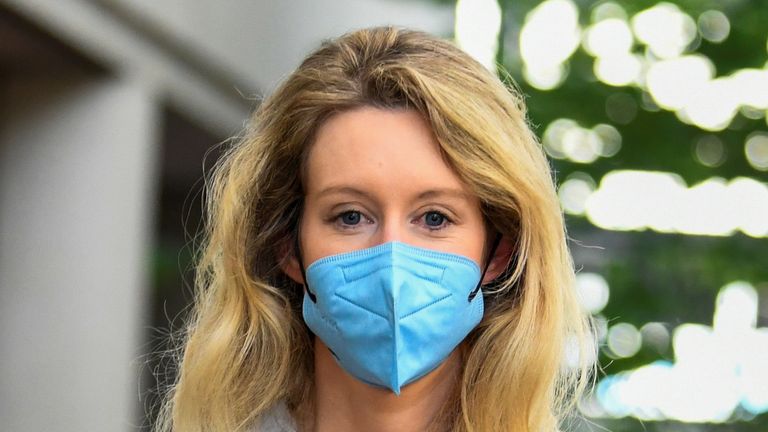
495	245
297	250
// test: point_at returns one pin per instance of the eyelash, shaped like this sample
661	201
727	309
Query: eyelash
337	218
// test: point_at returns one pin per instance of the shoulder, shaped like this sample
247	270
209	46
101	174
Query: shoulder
277	419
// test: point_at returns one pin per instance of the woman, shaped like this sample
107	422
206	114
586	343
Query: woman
385	252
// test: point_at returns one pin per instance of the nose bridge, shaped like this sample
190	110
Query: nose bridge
392	227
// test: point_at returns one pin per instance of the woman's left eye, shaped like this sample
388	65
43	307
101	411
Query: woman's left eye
435	220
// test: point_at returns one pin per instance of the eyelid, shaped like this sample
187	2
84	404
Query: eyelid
444	210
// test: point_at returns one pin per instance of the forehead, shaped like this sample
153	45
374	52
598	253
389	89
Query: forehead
389	150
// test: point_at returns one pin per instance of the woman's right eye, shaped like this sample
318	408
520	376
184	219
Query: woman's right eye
350	217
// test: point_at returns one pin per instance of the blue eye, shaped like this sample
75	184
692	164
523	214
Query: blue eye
434	219
350	217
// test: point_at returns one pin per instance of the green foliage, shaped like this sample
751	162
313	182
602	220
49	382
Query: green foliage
655	277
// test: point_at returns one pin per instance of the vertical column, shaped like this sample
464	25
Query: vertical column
77	191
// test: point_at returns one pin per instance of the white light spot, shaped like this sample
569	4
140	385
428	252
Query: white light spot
706	198
665	29
673	83
553	136
565	139
619	70
714	26
756	150
691	342
624	340
709	151
714	106
582	145
609	37
608	10
477	27
749	199
546	77
593	291
635	200
656	336
754	374
576	354
610	137
735	308
750	87
575	191
549	36
716	369
751	113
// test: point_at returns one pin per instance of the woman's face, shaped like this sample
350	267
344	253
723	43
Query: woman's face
375	176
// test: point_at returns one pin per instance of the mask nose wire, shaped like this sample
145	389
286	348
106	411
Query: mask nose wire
297	248
495	245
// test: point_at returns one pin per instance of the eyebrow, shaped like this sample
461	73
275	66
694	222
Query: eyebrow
430	193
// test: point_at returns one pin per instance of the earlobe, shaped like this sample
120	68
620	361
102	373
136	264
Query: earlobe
500	260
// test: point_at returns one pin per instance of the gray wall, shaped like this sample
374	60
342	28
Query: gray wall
79	172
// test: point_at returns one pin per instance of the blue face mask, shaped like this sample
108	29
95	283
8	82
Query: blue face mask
392	313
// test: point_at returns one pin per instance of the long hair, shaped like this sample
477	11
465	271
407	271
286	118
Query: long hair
246	347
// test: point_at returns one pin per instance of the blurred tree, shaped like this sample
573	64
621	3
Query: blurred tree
655	277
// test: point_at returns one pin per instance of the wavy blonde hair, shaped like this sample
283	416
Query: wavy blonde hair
246	346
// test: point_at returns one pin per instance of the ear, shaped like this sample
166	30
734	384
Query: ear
288	262
500	260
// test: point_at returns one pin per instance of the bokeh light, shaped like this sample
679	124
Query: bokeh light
593	291
624	340
718	372
477	27
756	150
716	369
637	200
709	151
656	336
609	37
574	191
665	29
673	83
566	139
549	36
714	26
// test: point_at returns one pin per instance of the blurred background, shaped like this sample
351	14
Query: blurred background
653	114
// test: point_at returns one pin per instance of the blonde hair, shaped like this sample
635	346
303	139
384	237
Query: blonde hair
246	346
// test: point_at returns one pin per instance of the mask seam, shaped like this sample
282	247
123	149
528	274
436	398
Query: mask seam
361	307
433	302
396	338
435	280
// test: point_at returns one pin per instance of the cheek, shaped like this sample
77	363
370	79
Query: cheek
473	243
318	242
311	249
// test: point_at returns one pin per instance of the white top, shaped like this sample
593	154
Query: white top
277	419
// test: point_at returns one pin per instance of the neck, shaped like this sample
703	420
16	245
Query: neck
342	403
